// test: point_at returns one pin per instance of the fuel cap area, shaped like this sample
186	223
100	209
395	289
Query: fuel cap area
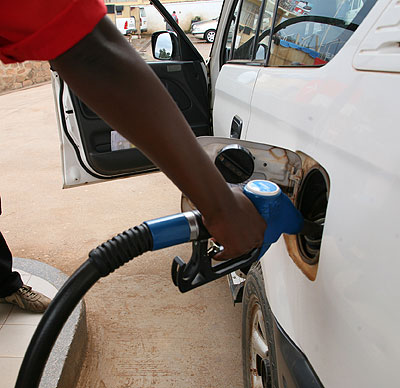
235	163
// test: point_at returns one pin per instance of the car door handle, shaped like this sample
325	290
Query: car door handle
236	127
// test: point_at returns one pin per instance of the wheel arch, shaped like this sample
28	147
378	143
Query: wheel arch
289	367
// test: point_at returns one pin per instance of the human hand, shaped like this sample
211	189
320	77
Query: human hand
238	227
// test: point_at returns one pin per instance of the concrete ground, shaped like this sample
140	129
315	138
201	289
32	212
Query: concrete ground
142	331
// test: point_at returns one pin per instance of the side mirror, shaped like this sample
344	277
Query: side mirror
164	45
261	51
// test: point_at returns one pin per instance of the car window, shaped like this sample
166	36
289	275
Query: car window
312	33
228	38
246	29
265	28
119	9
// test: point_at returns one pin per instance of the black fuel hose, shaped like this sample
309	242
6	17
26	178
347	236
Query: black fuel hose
103	260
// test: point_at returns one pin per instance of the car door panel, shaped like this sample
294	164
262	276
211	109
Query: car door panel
185	82
90	151
90	137
233	93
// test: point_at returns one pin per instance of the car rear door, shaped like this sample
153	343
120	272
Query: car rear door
93	151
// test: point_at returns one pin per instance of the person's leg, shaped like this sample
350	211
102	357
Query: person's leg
12	289
10	281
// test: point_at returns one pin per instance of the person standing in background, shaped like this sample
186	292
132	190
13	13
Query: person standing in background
167	26
174	15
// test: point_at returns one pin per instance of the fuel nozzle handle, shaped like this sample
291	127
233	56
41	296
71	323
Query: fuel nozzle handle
177	229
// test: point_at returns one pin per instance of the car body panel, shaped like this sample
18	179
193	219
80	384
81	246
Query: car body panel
349	316
345	321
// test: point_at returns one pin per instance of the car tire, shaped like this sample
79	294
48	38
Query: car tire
209	36
258	347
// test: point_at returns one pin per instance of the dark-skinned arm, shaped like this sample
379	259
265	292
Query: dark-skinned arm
112	79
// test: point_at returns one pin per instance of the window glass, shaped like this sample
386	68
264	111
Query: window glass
246	29
119	9
265	28
312	33
110	8
229	33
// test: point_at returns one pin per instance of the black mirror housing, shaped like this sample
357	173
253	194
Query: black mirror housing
164	45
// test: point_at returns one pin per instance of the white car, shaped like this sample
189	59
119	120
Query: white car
314	99
126	25
205	29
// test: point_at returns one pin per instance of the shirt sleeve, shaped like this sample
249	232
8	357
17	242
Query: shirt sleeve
43	30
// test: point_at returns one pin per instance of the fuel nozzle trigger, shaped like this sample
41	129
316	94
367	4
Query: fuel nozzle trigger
202	269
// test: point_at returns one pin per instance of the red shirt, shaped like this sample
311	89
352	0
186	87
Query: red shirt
44	29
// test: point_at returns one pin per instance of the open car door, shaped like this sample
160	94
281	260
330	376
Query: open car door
93	151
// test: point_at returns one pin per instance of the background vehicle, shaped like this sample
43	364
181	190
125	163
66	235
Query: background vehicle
320	88
126	25
143	20
122	16
205	29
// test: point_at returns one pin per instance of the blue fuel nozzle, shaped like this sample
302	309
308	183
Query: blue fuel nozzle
274	206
